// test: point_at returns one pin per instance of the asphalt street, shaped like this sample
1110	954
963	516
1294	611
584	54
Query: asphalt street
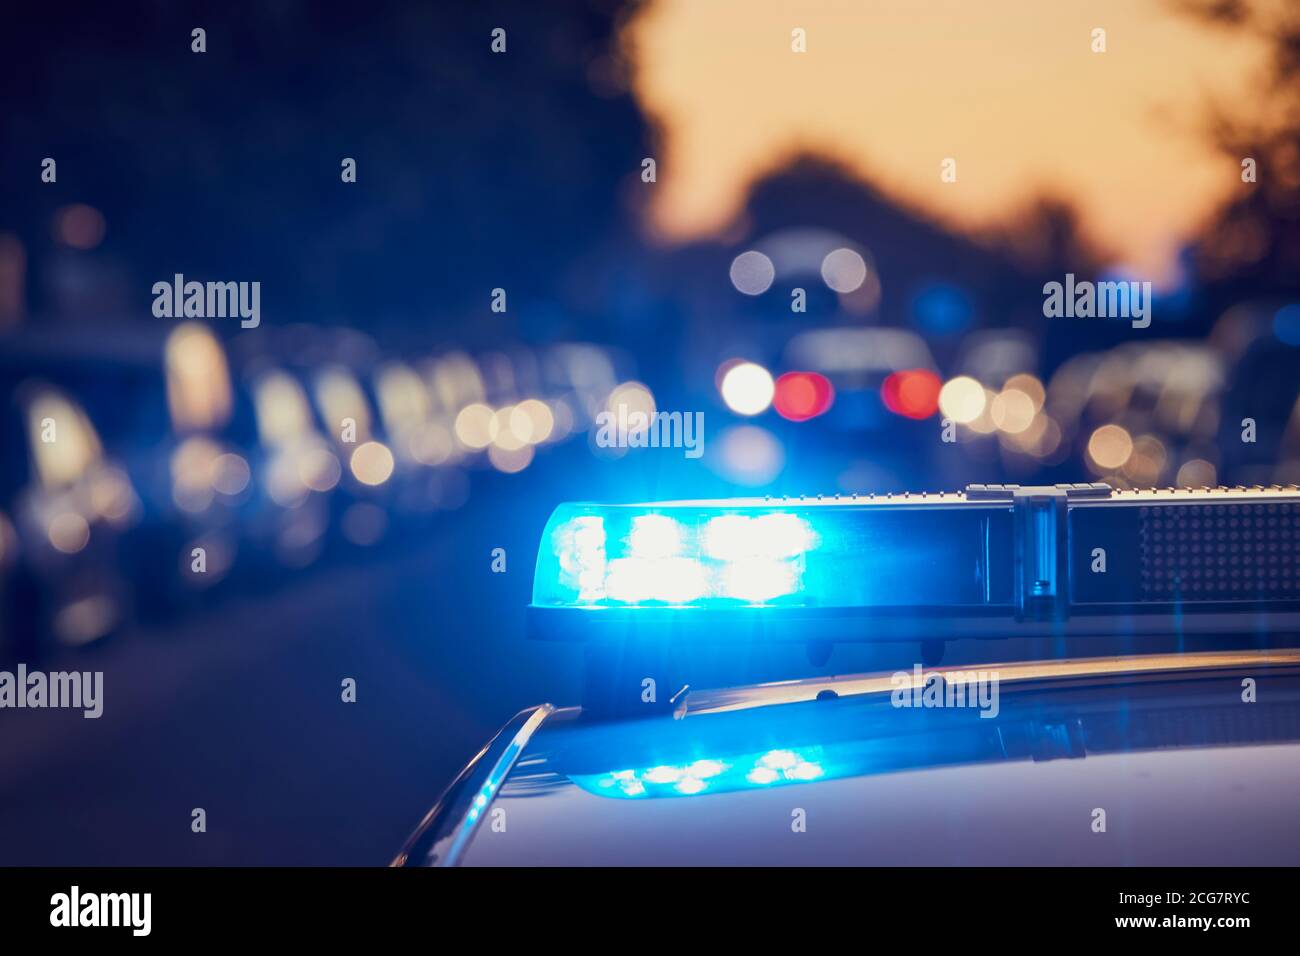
238	710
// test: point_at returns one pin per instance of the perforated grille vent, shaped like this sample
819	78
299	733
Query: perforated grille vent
1220	552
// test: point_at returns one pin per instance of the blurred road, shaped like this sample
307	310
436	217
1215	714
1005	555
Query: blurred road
239	711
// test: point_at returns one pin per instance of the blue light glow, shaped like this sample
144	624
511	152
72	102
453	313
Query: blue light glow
743	772
942	309
579	546
626	557
654	536
1286	324
752	553
706	768
759	581
738	537
480	801
779	759
668	580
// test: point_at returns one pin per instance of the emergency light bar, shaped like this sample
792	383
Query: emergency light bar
992	561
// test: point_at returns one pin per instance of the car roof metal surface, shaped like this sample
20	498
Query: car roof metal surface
1155	760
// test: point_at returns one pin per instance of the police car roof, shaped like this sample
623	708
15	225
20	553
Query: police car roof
1193	757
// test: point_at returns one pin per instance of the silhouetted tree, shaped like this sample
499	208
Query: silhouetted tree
1254	241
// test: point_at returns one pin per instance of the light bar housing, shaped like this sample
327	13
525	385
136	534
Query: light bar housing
992	561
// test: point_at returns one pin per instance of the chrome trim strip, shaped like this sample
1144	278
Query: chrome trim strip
445	831
798	691
1085	493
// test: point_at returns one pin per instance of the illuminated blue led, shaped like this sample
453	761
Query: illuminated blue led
578	546
729	556
623	557
669	580
706	768
779	759
804	770
746	771
479	802
654	536
741	538
759	580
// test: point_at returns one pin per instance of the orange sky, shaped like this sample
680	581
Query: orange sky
1009	88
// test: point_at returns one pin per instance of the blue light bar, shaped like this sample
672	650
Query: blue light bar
739	555
991	561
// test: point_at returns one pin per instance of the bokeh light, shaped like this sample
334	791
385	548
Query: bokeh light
79	226
475	426
64	444
198	379
962	399
801	396
532	420
1197	473
318	468
747	388
844	270
1286	324
111	494
1147	462
747	455
1109	447
284	416
69	532
340	398
1030	385
1012	411
752	272
229	474
372	463
510	460
633	397
506	436
431	444
942	309
912	393
193	468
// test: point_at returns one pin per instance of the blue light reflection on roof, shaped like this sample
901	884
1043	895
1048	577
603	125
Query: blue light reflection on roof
481	800
749	771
